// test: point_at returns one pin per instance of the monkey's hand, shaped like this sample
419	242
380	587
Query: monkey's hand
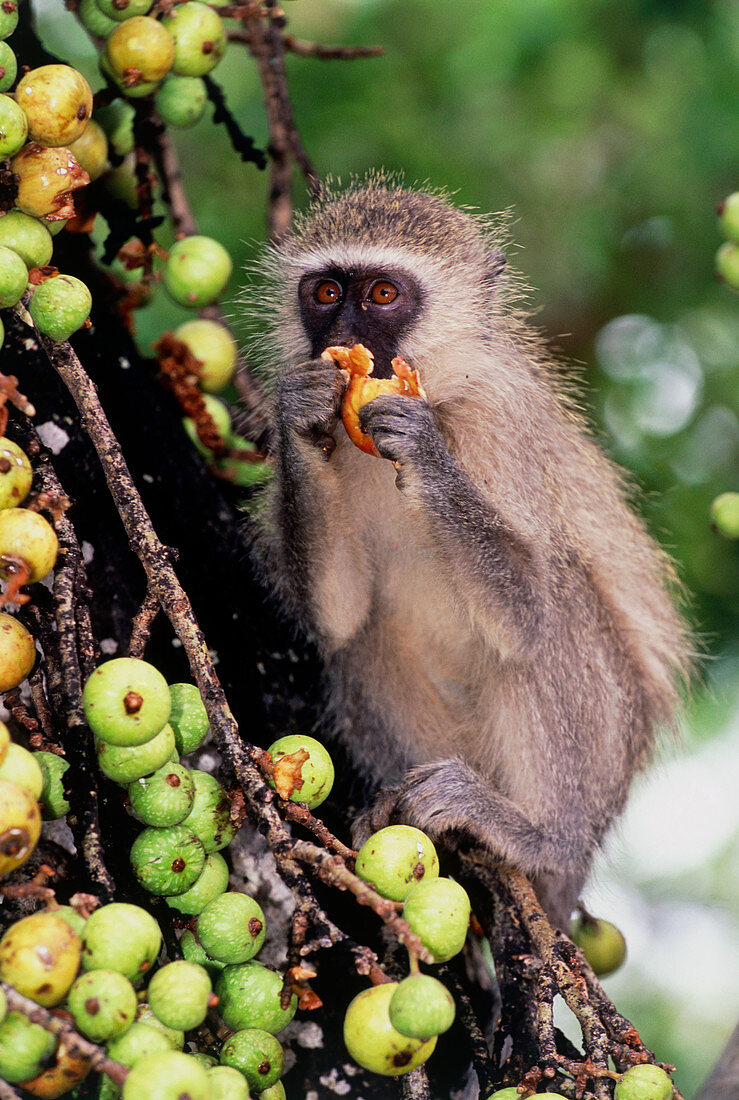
404	430
309	402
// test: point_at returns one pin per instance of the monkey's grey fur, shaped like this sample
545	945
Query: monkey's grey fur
498	637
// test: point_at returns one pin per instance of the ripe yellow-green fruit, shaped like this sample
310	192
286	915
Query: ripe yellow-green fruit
13	277
214	346
91	150
59	306
601	942
17	652
725	515
27	236
129	90
15	472
20	766
8	67
13	127
139	51
644	1082
40	957
438	911
396	858
199	37
126	701
57	101
27	535
46	180
120	10
4	740
166	1076
374	1043
196	271
181	100
8	17
20	826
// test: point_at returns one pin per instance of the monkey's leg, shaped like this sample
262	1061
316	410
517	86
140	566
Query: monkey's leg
495	570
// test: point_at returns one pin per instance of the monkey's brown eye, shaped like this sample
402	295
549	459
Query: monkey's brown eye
328	292
383	293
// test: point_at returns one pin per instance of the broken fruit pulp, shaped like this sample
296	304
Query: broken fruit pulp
357	363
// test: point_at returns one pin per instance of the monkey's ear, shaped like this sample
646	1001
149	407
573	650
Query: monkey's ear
495	262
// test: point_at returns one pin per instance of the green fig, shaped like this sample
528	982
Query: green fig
231	928
396	858
249	996
121	937
257	1055
167	861
103	1004
179	994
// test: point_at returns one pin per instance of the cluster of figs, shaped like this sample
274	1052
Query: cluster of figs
53	147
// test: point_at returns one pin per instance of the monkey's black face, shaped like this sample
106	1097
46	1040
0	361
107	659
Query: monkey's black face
369	306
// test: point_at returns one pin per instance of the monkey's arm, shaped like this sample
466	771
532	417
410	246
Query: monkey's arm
494	568
316	564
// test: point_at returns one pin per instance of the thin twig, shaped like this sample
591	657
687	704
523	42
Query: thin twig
267	48
323	53
170	176
142	624
332	869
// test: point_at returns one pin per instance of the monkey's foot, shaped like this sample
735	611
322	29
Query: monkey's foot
375	817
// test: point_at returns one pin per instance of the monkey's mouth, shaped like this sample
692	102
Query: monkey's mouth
382	367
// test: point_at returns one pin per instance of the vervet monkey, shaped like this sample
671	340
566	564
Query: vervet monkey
499	642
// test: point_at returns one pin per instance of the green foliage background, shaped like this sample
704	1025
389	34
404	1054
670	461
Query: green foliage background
608	128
